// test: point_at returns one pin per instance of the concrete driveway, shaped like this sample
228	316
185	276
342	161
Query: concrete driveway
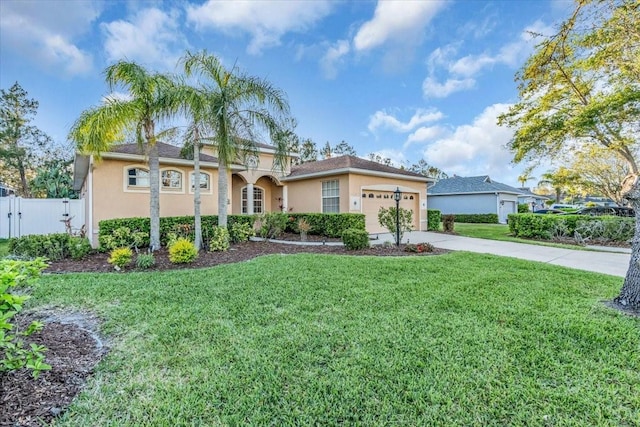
614	263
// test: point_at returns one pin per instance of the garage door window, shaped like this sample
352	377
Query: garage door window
330	197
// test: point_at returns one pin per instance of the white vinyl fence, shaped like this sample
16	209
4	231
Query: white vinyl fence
20	217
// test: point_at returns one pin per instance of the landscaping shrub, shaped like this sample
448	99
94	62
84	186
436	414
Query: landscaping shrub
448	222
303	228
419	248
123	237
50	246
79	247
182	251
240	232
387	219
120	258
219	239
355	239
145	261
328	225
169	225
523	208
13	354
434	217
273	224
546	227
488	218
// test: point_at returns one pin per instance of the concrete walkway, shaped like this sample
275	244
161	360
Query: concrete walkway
614	263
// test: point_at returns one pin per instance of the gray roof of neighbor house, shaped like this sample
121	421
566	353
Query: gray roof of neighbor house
469	185
527	192
349	164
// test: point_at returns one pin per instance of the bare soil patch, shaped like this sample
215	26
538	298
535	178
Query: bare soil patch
75	348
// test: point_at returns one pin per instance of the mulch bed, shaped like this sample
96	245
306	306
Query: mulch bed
74	347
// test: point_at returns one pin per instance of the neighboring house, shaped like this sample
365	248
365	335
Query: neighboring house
117	186
532	200
5	191
473	195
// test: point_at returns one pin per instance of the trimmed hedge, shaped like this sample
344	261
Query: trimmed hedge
434	217
328	225
539	226
170	224
488	218
355	239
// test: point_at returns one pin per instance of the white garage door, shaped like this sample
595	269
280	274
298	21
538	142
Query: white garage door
372	200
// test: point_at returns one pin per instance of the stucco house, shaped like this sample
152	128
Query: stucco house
473	195
117	186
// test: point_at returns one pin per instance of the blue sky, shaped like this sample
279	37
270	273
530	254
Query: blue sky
404	79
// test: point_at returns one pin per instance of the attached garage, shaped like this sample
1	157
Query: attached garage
373	200
358	186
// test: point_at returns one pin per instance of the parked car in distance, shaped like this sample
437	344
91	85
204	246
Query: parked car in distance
548	211
606	210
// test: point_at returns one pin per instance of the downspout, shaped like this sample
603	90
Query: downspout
498	205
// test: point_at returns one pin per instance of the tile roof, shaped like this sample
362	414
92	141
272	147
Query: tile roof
164	150
343	163
471	184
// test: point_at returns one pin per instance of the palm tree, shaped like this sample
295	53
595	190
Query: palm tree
560	180
239	106
526	176
99	128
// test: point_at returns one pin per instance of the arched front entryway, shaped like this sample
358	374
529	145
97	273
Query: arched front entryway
264	194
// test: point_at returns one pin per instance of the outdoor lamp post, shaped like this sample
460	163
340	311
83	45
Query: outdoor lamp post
397	195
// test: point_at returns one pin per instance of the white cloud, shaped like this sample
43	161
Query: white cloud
266	22
381	119
423	134
475	149
431	88
45	32
333	57
397	157
396	21
151	36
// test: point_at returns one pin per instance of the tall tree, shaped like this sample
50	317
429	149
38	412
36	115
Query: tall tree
581	85
374	157
242	106
424	168
326	151
600	172
147	104
562	180
22	145
308	151
525	177
344	148
54	179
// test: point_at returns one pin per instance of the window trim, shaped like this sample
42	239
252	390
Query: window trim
243	207
323	197
166	189
202	190
135	188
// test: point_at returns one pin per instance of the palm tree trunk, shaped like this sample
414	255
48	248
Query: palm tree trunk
223	194
196	194
154	197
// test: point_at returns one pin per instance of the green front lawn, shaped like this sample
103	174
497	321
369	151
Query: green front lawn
457	339
501	232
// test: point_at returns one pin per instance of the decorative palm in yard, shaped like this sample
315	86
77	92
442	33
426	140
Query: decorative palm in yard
237	108
148	101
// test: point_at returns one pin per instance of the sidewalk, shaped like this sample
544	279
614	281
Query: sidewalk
614	263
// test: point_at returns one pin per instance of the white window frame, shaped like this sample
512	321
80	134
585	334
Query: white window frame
135	187
208	189
331	196
169	188
243	200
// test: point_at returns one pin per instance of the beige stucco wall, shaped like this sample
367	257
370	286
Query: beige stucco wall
306	195
112	198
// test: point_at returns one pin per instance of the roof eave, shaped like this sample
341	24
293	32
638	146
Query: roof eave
342	171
